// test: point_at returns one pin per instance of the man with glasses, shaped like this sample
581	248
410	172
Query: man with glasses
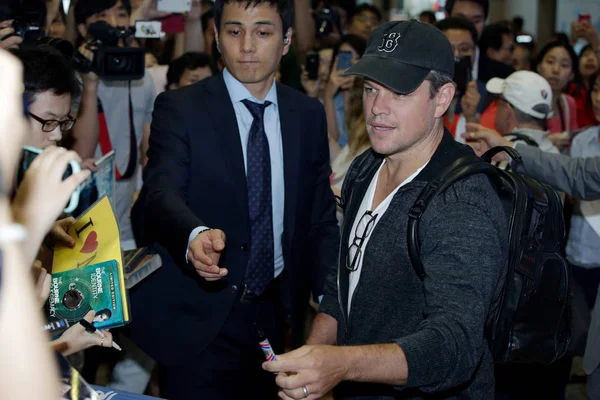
382	332
50	84
496	45
468	106
364	19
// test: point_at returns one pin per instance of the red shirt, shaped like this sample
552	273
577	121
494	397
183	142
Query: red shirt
585	112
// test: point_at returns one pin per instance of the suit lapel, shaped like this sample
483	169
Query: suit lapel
228	136
291	141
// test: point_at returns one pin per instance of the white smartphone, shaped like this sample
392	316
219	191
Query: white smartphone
29	153
174	6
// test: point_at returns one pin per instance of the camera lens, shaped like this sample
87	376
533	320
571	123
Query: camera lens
119	63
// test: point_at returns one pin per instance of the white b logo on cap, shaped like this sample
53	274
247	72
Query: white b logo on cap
390	42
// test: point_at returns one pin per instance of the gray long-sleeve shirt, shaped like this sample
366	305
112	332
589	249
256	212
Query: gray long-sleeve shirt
438	323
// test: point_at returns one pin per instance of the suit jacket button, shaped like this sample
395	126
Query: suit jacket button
244	247
234	288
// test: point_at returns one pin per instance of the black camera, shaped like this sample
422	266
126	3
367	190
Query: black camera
325	20
112	62
29	17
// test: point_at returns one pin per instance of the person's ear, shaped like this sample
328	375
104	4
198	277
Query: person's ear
287	41
443	98
217	38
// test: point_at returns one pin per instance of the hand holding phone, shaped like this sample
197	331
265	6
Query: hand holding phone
38	173
344	60
462	74
312	65
584	17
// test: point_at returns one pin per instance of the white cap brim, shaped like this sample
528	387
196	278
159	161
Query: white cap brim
495	86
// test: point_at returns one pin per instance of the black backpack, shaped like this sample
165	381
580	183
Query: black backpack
531	320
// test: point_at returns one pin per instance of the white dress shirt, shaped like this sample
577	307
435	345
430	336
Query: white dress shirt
238	92
366	205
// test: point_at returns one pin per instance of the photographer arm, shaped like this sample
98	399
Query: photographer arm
86	130
578	177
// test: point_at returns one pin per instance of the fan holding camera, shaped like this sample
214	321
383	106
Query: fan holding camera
115	108
21	20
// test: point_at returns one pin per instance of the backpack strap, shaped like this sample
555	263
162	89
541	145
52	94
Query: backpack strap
460	169
524	138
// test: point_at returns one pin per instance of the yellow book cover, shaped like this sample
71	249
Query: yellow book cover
97	241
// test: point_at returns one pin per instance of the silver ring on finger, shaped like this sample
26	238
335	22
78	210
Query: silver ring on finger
305	390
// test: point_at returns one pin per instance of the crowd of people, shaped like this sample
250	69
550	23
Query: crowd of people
270	153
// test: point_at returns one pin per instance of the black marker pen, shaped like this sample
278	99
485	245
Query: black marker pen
265	346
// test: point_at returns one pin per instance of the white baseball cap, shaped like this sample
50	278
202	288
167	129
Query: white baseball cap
526	91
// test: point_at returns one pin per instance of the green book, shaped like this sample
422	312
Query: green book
75	292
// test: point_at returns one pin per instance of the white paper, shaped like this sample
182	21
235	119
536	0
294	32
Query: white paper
174	6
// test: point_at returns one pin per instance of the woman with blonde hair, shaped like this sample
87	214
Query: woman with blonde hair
358	138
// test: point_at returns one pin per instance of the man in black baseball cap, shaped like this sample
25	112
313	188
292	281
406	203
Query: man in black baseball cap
400	55
382	332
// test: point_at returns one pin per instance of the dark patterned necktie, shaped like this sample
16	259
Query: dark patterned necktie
261	264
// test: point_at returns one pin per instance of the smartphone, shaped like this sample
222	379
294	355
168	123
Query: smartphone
462	73
585	16
312	65
29	154
344	60
174	6
524	39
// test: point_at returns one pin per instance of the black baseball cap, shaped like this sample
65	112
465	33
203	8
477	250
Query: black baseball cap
401	54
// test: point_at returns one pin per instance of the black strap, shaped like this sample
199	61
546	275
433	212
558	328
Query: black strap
524	138
460	169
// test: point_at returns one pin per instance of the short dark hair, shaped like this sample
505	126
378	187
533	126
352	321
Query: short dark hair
86	8
430	15
283	9
561	37
459	23
523	118
546	49
492	37
187	61
483	3
366	7
46	69
358	43
437	80
518	22
207	16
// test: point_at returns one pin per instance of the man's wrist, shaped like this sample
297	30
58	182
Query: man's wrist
350	356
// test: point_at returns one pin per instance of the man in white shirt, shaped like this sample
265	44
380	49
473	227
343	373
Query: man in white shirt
237	199
382	332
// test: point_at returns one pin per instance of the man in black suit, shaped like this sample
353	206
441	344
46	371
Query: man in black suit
237	198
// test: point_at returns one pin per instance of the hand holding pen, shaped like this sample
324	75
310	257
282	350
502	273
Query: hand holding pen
90	328
76	338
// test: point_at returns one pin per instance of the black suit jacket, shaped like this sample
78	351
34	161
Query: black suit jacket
195	177
489	69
